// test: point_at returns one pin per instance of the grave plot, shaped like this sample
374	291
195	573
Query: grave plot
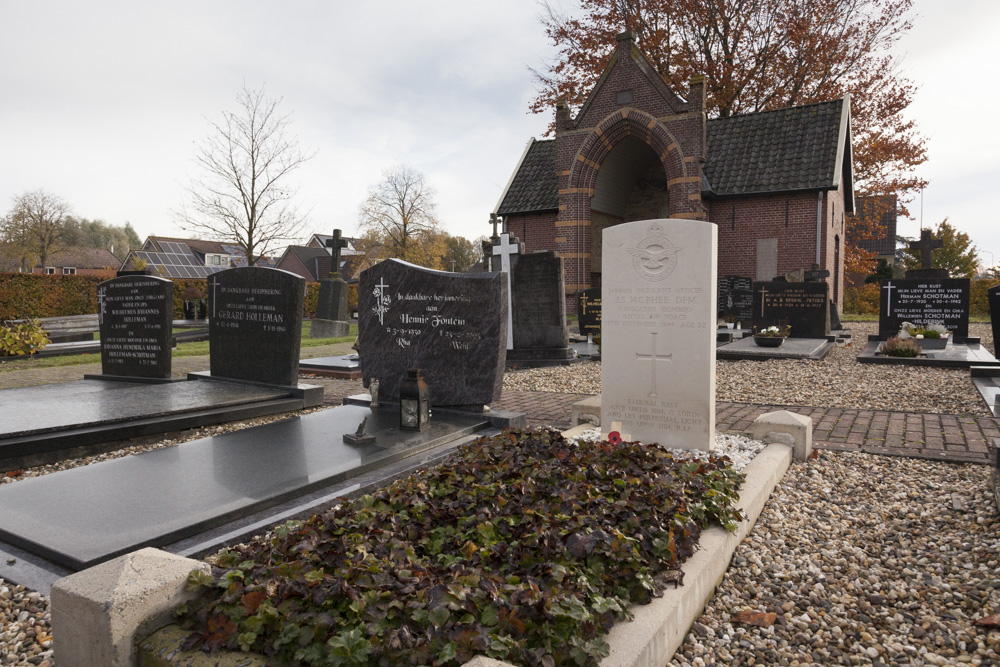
923	302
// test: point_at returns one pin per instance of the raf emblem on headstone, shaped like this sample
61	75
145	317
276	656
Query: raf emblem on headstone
655	257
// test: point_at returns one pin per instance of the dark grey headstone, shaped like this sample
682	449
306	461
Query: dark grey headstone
588	311
736	298
835	324
332	303
993	296
452	326
539	302
255	324
803	306
924	301
135	315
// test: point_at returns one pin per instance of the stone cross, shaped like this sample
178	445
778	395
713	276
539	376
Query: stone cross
494	220
815	274
763	298
335	243
652	358
505	250
925	246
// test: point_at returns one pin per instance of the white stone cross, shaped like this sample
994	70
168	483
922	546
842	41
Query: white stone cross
504	251
652	357
888	297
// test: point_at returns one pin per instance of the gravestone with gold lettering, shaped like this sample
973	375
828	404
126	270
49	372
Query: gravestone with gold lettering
802	306
658	312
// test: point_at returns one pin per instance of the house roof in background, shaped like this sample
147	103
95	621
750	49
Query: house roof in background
84	258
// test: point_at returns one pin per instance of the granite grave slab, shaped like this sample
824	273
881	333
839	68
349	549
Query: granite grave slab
168	494
345	366
588	311
452	326
659	315
804	306
741	349
993	297
922	301
986	380
954	355
255	324
135	315
93	412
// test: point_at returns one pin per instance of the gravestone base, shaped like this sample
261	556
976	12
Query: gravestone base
497	418
329	328
344	367
310	394
539	358
129	378
957	354
928	274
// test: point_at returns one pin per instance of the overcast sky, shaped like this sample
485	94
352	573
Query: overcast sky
105	103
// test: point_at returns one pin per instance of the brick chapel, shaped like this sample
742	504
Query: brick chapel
776	183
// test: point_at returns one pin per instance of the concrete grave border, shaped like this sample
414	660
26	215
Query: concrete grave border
650	638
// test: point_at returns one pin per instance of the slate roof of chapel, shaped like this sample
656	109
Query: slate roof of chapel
770	151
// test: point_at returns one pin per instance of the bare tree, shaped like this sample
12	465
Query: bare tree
36	225
246	197
398	216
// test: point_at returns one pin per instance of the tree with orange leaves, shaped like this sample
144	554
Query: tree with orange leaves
759	55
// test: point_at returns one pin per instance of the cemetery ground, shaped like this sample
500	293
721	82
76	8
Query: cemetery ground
862	558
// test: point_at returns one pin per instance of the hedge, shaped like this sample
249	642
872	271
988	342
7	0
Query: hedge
24	295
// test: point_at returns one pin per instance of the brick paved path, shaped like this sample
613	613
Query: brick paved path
932	436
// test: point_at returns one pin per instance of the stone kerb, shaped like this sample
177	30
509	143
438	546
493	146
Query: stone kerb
100	614
787	427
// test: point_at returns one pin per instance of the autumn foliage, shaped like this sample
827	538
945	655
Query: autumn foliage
758	55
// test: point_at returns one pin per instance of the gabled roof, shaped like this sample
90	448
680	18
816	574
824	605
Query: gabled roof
203	247
796	148
535	186
83	258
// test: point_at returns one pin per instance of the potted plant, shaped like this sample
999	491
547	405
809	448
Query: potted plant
900	347
772	336
931	336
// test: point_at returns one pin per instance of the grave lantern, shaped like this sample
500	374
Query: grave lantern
414	401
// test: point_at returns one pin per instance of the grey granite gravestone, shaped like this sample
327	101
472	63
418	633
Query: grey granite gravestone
803	306
993	297
540	333
736	299
452	326
922	301
332	317
588	311
255	325
135	315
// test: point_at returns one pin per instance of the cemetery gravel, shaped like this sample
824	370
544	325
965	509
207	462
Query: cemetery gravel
861	559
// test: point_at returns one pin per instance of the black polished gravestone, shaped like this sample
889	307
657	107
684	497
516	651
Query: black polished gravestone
541	336
993	296
736	299
802	306
922	302
255	325
588	311
135	315
452	326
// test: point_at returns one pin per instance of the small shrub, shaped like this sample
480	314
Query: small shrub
25	338
901	347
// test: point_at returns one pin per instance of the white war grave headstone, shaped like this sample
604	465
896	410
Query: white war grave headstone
658	331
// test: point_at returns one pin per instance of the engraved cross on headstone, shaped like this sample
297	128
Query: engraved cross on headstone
888	296
505	250
652	358
925	246
763	298
335	243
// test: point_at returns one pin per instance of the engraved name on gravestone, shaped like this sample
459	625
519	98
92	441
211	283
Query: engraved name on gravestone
736	298
452	326
924	301
659	315
255	324
802	306
539	302
588	310
135	314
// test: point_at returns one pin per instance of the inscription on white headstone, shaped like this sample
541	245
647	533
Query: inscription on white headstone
658	331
